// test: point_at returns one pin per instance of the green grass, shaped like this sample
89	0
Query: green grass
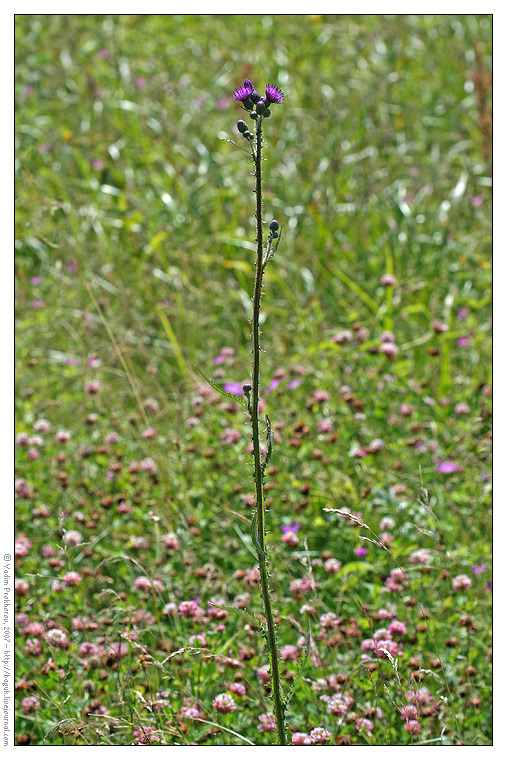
378	162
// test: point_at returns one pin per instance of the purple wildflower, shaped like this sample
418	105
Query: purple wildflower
224	703
267	722
235	388
273	94
301	739
294	384
291	528
30	705
461	582
447	467
273	384
478	569
244	91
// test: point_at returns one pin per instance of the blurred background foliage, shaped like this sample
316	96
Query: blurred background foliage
373	164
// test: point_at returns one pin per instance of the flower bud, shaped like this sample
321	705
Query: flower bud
242	126
273	226
253	114
247	388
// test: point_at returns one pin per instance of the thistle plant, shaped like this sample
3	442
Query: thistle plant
258	109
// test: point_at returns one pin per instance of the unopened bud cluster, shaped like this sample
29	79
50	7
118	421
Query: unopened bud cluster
243	129
273	228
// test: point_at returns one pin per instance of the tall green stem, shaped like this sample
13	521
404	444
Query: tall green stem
258	467
258	475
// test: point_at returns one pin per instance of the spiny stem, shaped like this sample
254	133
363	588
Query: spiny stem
273	653
256	341
258	468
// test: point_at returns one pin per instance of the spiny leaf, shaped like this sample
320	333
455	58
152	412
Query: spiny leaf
220	390
255	540
226	139
270	444
245	613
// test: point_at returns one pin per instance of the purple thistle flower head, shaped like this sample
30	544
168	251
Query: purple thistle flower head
273	94
244	92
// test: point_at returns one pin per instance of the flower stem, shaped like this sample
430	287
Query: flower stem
258	467
256	342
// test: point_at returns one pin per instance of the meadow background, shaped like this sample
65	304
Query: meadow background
134	266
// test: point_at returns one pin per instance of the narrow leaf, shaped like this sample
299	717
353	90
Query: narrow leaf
220	390
269	437
255	539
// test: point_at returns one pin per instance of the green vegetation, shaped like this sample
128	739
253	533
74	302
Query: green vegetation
135	262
